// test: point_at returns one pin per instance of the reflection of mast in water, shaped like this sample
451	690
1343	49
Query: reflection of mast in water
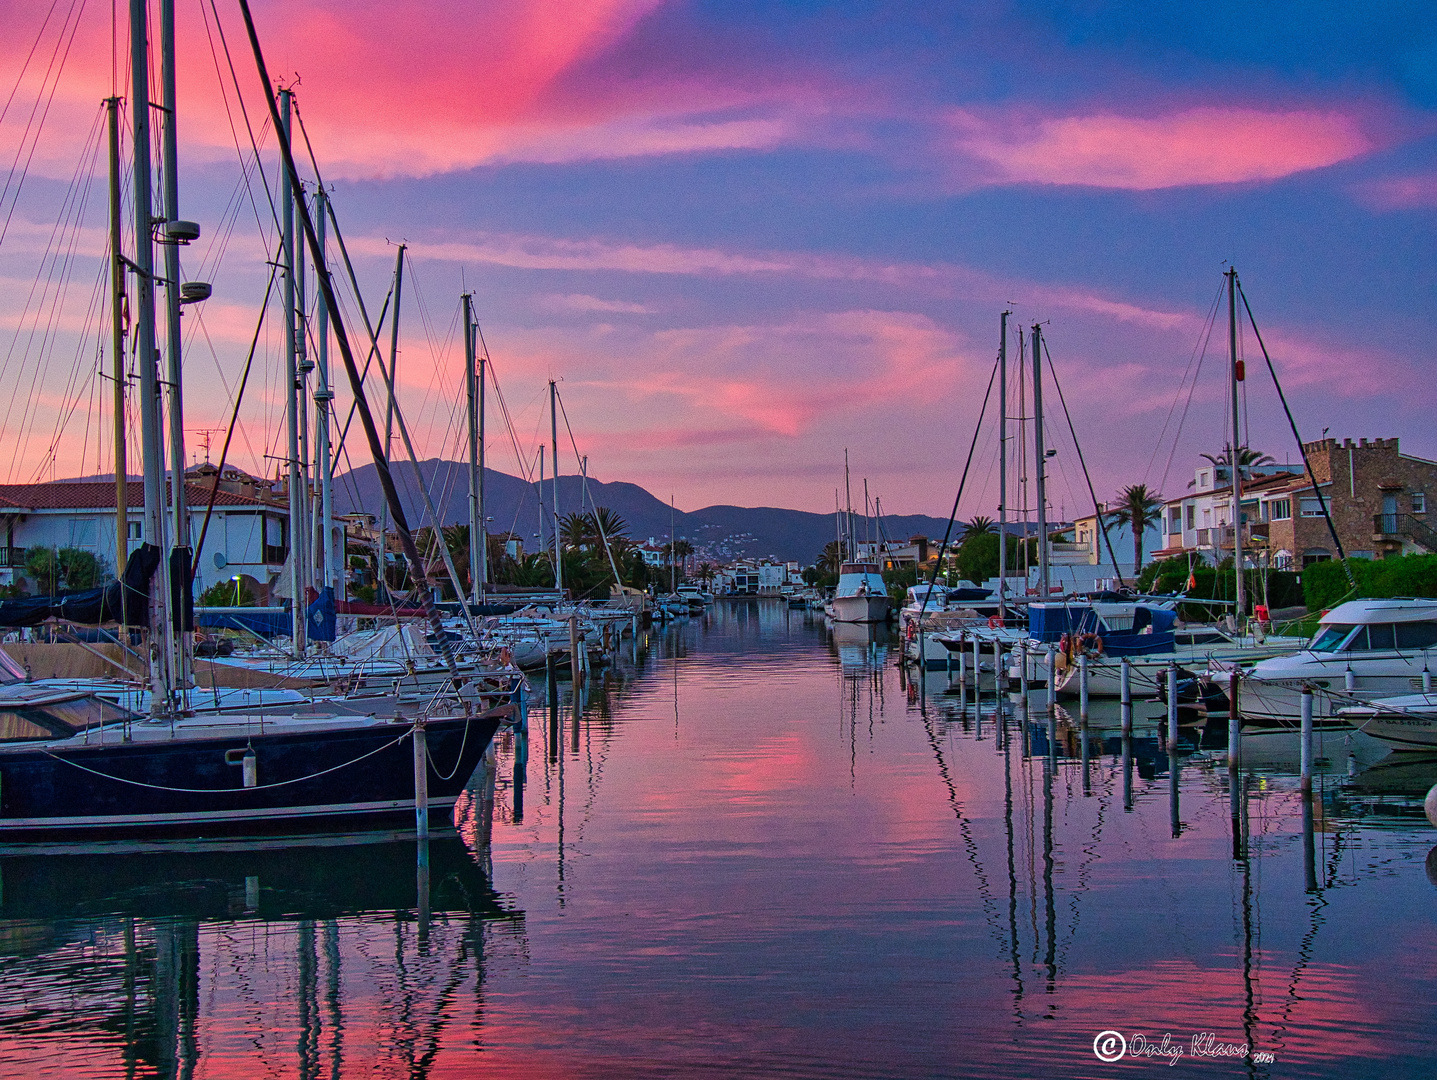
1012	881
177	994
1050	913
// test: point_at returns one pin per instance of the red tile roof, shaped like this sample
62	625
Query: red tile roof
92	495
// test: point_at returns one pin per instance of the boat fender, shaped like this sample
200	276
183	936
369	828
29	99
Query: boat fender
248	763
995	622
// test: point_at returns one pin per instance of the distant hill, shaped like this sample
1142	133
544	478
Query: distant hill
719	532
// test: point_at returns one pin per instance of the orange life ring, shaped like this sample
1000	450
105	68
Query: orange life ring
995	622
1063	644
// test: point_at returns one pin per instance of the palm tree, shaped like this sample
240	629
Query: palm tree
613	527
705	572
576	530
979	526
833	556
679	551
1246	458
1138	508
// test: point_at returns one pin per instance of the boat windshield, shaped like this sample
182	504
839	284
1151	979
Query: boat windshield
1330	638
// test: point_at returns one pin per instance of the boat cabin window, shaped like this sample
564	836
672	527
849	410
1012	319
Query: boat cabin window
1376	637
1330	638
1417	635
57	720
31	724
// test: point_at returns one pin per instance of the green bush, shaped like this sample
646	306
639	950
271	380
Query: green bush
1217	583
1324	583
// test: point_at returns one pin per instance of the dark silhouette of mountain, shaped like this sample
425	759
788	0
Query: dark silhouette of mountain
720	532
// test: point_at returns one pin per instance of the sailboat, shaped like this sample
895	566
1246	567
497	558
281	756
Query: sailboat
861	595
72	764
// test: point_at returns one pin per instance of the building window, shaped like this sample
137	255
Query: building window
1419	502
1315	555
1192	516
1310	507
1279	510
134	529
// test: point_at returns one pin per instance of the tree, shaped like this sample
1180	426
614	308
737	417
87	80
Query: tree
227	594
613	527
1138	508
681	550
979	526
833	556
72	567
978	557
705	573
577	530
1246	458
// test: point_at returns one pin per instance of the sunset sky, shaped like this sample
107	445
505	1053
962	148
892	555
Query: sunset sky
747	236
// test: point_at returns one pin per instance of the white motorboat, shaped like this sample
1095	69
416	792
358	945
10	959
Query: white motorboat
1364	650
1407	722
861	596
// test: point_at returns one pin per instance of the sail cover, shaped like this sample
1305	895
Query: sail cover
93	606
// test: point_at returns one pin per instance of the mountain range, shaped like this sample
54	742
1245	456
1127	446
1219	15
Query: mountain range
717	532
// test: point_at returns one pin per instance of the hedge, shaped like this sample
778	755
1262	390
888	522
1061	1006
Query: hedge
1324	583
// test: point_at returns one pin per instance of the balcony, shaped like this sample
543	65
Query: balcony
12	556
1398	526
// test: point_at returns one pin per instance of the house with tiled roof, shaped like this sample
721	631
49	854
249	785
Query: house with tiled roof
247	537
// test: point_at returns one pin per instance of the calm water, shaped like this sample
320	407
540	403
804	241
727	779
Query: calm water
760	851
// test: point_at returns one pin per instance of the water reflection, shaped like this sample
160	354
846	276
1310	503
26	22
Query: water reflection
156	958
695	863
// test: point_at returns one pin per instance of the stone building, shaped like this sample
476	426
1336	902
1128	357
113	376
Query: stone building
1377	497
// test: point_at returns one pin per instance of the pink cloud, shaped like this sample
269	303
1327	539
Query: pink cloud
584	302
1195	146
391	89
1400	192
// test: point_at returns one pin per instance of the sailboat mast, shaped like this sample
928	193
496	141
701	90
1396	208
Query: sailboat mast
296	512
1040	460
1235	451
554	461
117	345
472	412
848	504
1003	466
1023	454
483	521
330	560
180	561
152	437
673	555
389	411
543	544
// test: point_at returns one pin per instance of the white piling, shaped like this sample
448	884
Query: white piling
1052	678
1172	707
1307	740
1125	695
1234	718
421	781
977	668
1083	686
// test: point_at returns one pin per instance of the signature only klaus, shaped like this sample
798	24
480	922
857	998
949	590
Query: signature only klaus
1112	1046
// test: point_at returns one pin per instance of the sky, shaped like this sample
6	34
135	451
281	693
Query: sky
746	237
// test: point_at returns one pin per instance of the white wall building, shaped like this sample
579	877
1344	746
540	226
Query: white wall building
248	536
